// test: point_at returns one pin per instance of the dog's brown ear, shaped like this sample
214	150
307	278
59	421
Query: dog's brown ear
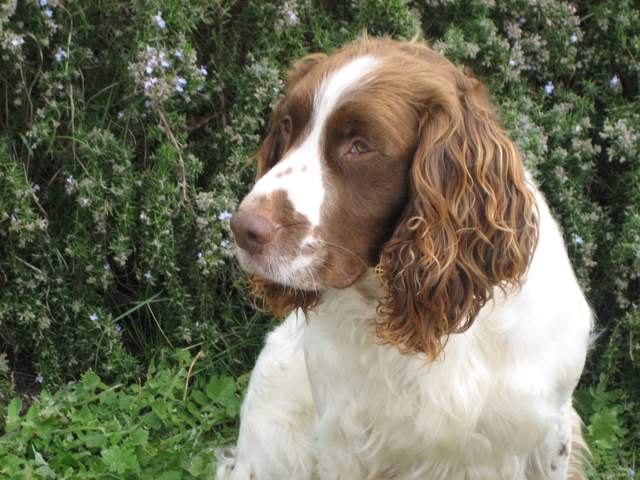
270	151
470	225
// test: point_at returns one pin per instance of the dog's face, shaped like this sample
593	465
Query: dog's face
385	155
336	179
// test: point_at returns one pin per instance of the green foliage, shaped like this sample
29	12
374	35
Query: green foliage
162	428
125	134
606	432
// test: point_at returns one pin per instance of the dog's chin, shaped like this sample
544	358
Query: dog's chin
297	274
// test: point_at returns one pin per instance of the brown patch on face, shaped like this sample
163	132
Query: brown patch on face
288	171
365	192
270	258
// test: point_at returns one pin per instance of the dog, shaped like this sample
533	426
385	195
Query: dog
434	326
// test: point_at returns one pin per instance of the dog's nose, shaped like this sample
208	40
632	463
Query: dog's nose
252	231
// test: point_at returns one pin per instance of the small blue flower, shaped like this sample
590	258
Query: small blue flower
577	239
614	81
93	317
203	71
181	83
39	378
60	54
224	216
200	255
512	62
17	40
107	267
573	38
44	3
118	328
549	88
178	53
48	13
150	82
165	64
159	20
148	275
70	179
224	243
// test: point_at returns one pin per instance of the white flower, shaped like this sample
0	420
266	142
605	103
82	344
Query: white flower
577	239
16	40
150	82
148	275
48	13
614	80
159	20
203	71
512	62
549	88
181	83
93	317
60	54
573	38
224	216
39	378
44	3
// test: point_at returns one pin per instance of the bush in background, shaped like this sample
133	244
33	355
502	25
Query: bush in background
126	128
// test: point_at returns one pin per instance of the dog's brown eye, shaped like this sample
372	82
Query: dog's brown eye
360	148
286	125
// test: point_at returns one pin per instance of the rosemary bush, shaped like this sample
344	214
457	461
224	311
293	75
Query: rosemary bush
125	132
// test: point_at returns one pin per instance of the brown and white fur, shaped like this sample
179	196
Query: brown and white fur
435	327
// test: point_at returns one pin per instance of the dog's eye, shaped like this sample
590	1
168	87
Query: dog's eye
286	125
359	148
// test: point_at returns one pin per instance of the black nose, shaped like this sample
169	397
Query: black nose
252	231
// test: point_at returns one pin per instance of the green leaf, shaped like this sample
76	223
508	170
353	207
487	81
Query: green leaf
13	410
13	415
221	389
139	437
120	460
171	475
152	420
94	440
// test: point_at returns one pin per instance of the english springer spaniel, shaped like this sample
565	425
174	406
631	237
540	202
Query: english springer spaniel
434	326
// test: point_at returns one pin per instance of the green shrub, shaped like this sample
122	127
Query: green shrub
161	429
126	129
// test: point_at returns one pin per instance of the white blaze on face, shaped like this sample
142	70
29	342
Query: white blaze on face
299	173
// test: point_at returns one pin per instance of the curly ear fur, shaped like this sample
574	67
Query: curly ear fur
269	295
470	225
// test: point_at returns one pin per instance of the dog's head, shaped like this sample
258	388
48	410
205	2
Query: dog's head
384	155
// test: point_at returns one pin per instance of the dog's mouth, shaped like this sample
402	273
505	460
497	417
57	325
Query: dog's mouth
302	272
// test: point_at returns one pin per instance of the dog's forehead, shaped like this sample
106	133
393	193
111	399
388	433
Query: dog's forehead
299	172
333	77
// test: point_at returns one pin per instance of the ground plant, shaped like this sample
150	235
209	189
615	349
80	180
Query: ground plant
126	129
